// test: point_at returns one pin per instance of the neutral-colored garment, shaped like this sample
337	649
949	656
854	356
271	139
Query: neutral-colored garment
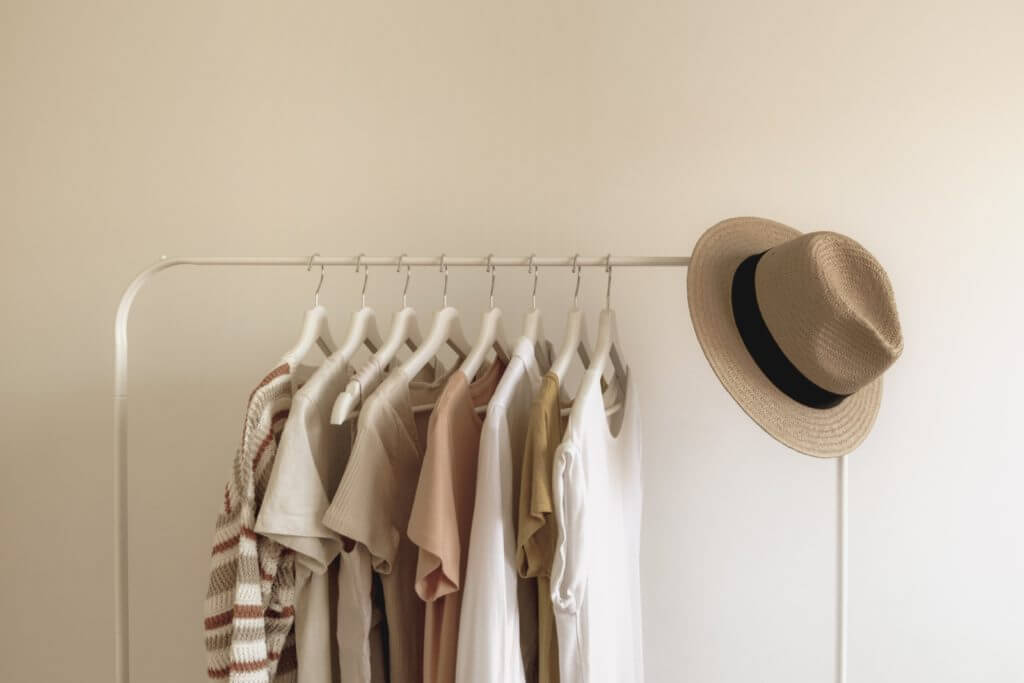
490	636
307	469
442	514
362	630
371	510
537	533
316	598
595	579
250	602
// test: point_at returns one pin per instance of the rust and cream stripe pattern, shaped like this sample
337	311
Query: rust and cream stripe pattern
250	604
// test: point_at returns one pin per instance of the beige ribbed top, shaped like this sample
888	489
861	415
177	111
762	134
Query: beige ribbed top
372	507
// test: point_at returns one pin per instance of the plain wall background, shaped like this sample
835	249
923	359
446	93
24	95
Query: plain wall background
132	129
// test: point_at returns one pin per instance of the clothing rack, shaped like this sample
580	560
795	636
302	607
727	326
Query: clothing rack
121	612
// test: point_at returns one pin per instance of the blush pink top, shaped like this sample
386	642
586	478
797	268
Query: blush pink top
442	514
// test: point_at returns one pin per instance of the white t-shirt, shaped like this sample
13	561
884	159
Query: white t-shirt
489	641
595	577
310	461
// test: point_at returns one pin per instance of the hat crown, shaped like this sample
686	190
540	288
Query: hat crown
830	307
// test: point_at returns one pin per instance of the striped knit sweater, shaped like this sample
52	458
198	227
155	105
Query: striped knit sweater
250	603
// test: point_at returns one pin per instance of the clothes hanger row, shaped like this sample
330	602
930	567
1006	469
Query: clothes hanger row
446	330
121	367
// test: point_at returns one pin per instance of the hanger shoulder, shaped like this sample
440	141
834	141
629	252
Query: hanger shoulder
409	328
315	332
533	329
373	340
492	336
362	330
533	326
575	343
445	330
457	339
608	348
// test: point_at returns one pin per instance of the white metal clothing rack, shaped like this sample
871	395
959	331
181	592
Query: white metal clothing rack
121	613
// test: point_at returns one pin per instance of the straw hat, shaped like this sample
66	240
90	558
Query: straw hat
804	356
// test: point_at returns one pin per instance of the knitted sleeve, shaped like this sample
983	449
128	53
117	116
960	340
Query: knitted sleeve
250	601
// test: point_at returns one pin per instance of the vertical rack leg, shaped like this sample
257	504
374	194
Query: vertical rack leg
842	568
121	623
120	541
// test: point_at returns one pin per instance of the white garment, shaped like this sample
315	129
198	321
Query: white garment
595	577
489	645
310	461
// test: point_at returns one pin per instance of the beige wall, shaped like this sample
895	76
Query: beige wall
133	129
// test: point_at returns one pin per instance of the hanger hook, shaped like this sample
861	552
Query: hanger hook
444	288
608	291
578	269
493	271
532	267
366	277
323	269
408	274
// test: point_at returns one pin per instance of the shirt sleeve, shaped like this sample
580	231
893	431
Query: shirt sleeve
362	505
568	571
433	522
534	539
295	500
251	583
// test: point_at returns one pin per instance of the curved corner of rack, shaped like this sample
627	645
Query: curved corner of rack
124	307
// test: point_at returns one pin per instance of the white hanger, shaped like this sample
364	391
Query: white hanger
315	331
446	330
363	329
575	333
608	344
405	331
533	326
492	335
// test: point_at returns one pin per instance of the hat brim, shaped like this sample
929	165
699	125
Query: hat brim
823	433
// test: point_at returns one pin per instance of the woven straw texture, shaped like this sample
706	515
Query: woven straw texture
838	327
